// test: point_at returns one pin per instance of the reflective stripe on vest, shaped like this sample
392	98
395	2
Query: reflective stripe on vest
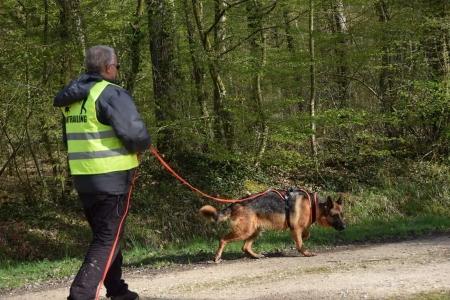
93	148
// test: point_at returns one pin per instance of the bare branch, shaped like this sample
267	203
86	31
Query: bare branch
13	154
220	15
246	39
252	34
269	8
360	81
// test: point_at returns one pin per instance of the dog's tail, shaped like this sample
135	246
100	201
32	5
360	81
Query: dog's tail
213	214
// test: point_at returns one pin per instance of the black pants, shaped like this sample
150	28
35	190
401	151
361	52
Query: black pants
104	214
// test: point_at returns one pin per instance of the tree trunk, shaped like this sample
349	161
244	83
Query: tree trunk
65	36
386	76
164	70
78	24
288	30
45	75
437	37
198	74
446	60
223	126
258	50
435	42
46	45
219	28
72	35
343	92
220	93
292	48
312	71
135	47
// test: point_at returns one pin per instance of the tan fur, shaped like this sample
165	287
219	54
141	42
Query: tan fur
209	212
246	225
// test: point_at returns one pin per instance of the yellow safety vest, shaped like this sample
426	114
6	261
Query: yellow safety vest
93	147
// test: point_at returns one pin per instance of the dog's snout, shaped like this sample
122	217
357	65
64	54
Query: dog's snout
339	225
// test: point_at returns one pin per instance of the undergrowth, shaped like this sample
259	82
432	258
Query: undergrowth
47	240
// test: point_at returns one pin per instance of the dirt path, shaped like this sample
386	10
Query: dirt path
392	270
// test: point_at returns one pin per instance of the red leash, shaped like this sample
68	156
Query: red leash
116	240
183	181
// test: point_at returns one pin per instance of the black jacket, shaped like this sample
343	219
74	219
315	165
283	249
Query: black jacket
115	108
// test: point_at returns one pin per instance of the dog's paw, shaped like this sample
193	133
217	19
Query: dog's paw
217	260
255	255
308	254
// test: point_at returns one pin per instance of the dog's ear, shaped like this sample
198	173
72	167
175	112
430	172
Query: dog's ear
340	201
329	203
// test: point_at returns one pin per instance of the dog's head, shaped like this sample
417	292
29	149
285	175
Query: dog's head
331	213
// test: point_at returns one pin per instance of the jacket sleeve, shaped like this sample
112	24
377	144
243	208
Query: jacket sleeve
76	90
116	108
68	91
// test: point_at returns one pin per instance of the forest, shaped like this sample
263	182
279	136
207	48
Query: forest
336	96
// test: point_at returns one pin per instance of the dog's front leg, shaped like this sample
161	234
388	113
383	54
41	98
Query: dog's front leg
297	234
305	234
218	256
232	236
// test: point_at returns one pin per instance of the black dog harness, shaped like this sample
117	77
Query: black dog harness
288	205
287	208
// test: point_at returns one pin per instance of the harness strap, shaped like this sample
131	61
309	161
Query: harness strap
313	204
314	209
287	205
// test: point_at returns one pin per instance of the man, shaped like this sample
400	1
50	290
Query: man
104	133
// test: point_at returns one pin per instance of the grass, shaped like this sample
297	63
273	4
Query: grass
46	240
437	295
14	274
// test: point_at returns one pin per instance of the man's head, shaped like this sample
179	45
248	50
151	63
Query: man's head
102	60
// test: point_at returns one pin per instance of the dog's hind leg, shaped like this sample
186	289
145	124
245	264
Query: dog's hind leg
297	234
247	248
244	229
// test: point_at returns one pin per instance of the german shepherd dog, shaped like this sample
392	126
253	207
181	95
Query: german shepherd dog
295	209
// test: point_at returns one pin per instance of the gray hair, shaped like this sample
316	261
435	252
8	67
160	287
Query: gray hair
98	57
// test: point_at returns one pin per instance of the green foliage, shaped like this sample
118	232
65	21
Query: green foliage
385	143
424	113
41	231
411	190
